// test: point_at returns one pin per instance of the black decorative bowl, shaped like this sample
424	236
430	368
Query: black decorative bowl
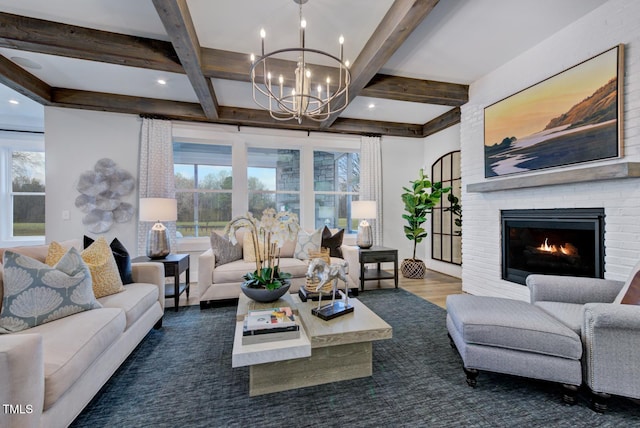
264	295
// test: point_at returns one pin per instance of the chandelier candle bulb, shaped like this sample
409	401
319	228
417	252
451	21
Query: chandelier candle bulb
302	102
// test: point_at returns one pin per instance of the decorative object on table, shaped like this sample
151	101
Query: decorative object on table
158	210
269	325
329	274
364	210
309	290
100	192
267	283
419	201
304	101
572	117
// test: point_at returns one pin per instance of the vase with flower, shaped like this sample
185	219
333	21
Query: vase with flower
267	283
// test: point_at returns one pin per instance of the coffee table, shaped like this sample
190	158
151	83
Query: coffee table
327	351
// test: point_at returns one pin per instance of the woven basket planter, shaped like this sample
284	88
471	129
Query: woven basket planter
413	268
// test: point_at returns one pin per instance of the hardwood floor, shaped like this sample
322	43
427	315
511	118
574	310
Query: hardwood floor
435	287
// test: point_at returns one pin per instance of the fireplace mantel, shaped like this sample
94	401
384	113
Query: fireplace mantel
593	173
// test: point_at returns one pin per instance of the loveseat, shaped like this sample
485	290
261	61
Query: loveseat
50	372
222	281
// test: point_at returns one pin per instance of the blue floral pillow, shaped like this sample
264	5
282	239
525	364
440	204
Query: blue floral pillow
35	293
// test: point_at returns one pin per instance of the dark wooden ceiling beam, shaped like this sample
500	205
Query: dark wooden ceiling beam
101	101
442	122
53	38
399	22
176	110
416	90
21	81
177	21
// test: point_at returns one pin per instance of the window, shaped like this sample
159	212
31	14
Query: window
446	218
336	177
27	193
203	177
274	180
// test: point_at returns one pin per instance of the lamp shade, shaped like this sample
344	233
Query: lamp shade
363	209
158	209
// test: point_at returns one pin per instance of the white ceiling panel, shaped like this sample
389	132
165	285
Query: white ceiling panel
392	111
84	75
26	115
133	17
463	40
235	25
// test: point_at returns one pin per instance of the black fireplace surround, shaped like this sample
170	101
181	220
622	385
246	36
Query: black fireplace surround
552	241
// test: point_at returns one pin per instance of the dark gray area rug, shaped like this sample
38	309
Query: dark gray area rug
181	376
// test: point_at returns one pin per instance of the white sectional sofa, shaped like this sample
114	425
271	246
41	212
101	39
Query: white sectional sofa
50	372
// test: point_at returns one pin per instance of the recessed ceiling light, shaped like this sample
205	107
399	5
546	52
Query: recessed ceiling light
15	102
371	106
161	82
25	62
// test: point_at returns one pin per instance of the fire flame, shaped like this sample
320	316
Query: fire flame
566	250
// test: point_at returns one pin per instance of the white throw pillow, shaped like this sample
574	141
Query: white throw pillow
625	288
307	242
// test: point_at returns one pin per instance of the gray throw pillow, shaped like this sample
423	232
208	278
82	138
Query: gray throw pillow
224	250
35	293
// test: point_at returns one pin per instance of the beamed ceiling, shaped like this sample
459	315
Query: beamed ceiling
403	51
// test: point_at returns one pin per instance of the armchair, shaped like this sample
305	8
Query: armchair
609	329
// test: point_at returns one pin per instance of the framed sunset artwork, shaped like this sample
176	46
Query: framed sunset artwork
570	118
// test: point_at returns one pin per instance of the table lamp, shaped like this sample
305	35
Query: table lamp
364	210
158	209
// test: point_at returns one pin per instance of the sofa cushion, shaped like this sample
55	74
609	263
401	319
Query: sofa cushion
632	283
135	300
224	251
511	324
307	242
102	265
570	314
120	255
248	248
35	293
39	252
332	242
288	248
72	344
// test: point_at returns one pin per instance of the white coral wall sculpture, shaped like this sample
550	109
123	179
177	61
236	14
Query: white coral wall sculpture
101	190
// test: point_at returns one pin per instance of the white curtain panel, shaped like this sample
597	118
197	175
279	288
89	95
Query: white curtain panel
371	181
156	172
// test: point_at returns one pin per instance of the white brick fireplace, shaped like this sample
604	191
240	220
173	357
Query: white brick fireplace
613	23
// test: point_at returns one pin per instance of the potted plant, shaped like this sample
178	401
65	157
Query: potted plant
419	201
267	283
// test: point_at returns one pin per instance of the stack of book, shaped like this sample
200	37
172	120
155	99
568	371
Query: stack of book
269	325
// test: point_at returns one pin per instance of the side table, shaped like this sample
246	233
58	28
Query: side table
174	265
377	255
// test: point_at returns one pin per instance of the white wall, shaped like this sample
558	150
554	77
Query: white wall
74	141
613	23
402	158
435	146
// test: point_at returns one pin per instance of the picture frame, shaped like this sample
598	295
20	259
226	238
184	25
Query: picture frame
573	117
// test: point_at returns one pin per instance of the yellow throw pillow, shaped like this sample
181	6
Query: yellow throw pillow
248	249
102	265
